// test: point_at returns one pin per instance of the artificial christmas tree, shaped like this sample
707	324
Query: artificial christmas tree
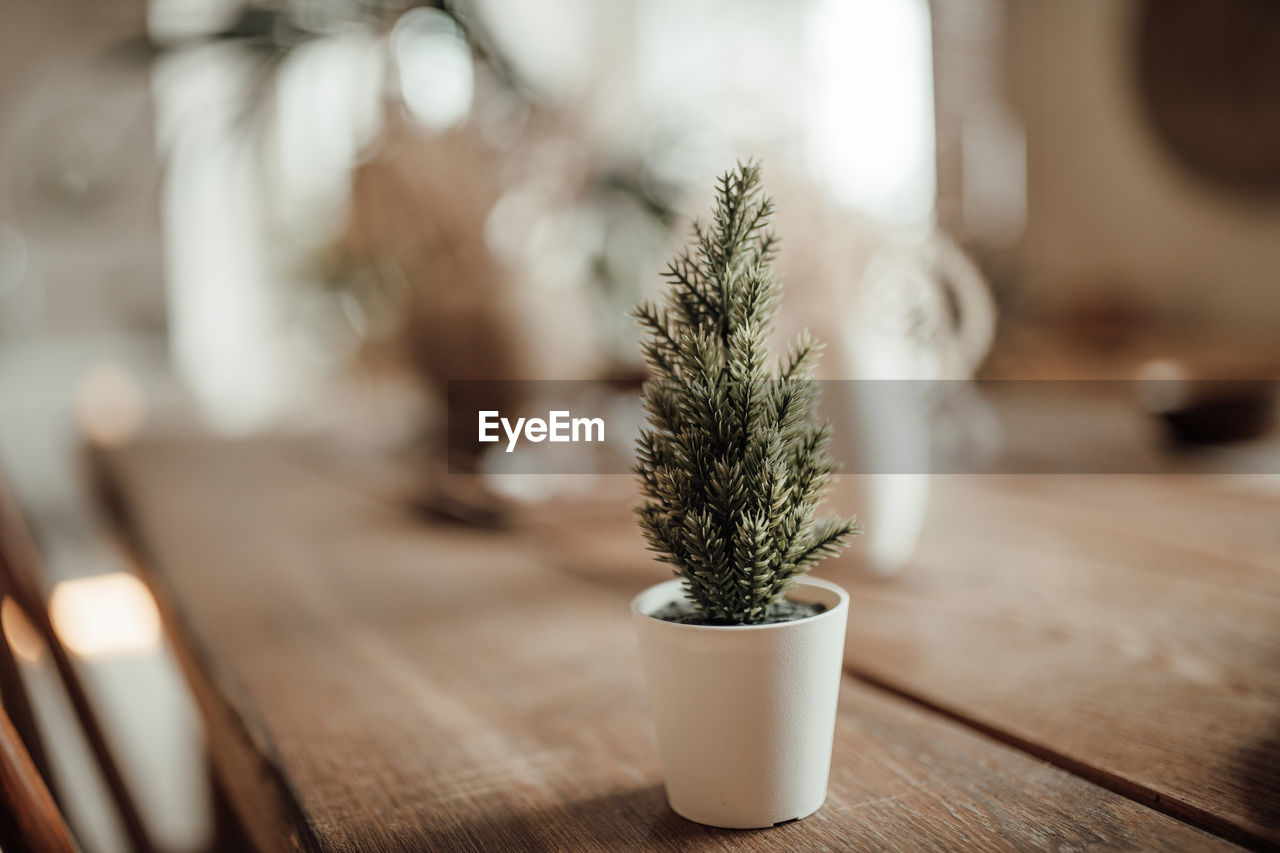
742	654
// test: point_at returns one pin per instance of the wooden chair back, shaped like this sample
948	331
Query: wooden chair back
21	579
29	817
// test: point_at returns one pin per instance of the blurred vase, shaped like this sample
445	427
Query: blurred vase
922	322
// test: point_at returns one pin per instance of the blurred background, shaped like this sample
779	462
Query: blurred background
237	217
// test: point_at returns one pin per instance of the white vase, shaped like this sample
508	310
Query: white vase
923	322
745	715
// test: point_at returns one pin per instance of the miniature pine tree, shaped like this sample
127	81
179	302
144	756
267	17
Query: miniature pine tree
733	463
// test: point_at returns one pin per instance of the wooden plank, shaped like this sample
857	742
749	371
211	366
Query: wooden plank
1220	517
1148	663
410	687
1057	611
1208	530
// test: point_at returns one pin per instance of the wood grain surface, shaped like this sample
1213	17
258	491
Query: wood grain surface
1126	628
376	683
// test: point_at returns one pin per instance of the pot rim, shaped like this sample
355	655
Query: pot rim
831	612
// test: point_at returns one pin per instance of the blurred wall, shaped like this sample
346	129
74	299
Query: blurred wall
78	171
81	284
1109	213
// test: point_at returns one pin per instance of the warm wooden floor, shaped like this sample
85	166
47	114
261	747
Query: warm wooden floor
1070	662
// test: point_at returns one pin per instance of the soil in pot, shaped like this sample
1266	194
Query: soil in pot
785	610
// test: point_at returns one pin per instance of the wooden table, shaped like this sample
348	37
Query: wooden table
1071	662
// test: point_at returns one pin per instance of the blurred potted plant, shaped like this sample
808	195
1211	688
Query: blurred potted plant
741	653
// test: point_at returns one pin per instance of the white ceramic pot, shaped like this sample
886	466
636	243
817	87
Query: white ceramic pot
745	715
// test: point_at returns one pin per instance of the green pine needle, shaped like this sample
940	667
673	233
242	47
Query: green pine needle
733	463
